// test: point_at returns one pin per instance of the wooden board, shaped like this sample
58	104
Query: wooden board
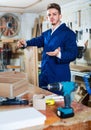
14	74
31	64
8	40
80	68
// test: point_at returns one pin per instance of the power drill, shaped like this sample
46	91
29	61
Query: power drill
65	89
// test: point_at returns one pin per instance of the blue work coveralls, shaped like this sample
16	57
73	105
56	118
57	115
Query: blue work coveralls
54	69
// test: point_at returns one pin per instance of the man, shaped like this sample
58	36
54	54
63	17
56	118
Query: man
60	48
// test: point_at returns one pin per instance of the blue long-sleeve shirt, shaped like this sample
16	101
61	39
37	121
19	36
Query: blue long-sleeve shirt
54	69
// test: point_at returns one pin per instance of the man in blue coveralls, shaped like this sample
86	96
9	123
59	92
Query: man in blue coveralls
59	48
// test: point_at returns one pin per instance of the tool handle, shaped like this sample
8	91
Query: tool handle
87	84
67	101
14	101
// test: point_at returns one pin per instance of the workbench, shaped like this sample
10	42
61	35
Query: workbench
77	74
81	120
79	70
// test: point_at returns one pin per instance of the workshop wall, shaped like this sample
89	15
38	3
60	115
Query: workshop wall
26	23
76	14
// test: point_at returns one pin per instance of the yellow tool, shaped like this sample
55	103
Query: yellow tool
50	101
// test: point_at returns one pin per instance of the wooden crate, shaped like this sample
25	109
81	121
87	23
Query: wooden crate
13	87
13	84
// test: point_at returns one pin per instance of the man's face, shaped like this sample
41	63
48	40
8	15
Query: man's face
53	16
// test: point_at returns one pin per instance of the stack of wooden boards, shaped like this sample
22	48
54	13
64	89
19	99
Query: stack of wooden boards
13	84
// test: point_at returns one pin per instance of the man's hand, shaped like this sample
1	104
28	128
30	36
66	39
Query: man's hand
21	43
54	53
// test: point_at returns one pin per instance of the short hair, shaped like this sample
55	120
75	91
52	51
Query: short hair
55	6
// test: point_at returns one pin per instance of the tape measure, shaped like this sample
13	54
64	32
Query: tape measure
50	101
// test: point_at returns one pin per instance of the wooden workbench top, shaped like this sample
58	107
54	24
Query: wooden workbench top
81	120
80	68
